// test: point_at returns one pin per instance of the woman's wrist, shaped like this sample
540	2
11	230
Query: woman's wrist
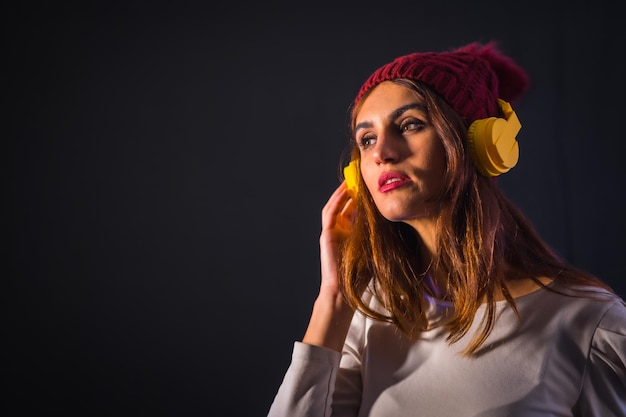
329	322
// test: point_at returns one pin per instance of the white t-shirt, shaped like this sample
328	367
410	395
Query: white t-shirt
566	357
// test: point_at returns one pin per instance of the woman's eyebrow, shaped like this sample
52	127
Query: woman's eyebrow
398	112
393	115
362	125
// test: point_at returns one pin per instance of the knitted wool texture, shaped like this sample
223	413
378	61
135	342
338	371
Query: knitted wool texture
470	78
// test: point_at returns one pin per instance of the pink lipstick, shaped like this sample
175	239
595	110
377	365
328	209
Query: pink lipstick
392	180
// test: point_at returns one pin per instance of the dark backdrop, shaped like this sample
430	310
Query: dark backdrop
166	165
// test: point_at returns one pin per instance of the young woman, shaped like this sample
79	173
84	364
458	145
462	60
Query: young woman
437	297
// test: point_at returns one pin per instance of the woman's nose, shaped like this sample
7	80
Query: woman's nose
387	148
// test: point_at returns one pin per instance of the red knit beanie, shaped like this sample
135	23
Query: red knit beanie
470	78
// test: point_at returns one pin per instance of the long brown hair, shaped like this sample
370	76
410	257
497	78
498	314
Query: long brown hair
481	235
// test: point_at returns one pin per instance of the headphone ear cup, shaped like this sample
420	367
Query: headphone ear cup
492	142
351	175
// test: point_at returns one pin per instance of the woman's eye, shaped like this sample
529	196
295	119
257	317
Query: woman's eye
367	141
412	124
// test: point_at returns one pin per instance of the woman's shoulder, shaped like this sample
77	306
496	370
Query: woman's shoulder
584	305
593	294
614	318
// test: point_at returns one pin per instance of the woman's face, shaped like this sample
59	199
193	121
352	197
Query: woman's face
402	158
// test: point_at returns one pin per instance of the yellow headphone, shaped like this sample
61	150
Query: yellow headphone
492	142
351	175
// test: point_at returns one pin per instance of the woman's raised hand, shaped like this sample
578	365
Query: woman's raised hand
331	316
337	220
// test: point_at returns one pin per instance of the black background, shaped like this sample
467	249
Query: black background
166	166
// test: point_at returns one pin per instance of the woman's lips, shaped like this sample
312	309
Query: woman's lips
391	180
